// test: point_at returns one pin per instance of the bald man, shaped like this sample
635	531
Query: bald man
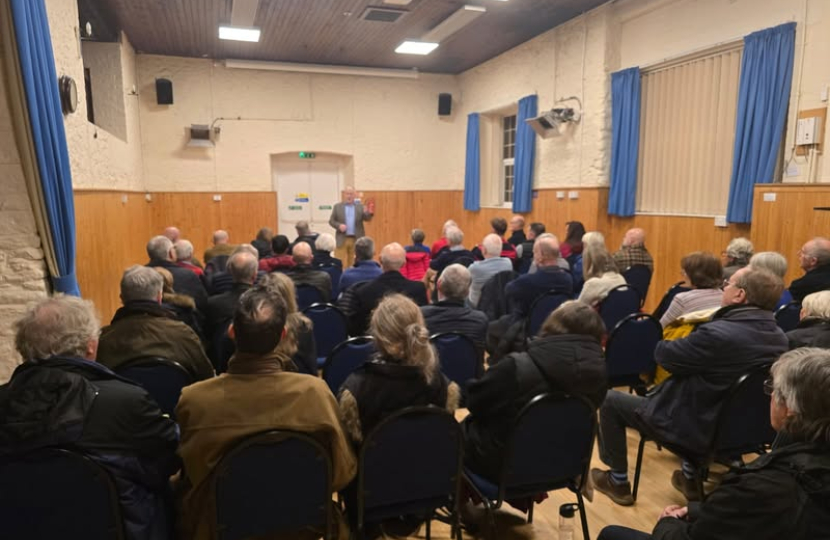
304	274
347	219
814	259
517	230
633	251
549	276
221	247
367	297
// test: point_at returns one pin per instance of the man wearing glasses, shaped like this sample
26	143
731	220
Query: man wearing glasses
814	259
682	411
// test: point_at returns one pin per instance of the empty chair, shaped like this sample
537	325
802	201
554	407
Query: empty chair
639	277
410	464
55	493
330	329
541	308
274	482
673	291
550	448
460	359
162	378
345	358
621	301
629	350
334	273
788	316
308	295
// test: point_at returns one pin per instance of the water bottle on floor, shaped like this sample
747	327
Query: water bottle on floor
566	521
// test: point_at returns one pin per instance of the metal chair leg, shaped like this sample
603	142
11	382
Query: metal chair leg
530	512
640	450
583	516
429	528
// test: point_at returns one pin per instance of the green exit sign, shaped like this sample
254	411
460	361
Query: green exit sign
307	155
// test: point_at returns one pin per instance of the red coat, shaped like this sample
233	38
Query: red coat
417	264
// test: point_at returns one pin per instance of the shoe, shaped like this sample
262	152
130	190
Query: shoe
687	487
619	493
401	526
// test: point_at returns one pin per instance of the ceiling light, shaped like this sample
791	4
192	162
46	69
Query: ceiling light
455	22
235	33
416	47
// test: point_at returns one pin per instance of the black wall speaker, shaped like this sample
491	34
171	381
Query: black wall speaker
164	91
444	104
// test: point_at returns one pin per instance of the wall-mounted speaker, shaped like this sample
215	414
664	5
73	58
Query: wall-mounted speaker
164	91
444	104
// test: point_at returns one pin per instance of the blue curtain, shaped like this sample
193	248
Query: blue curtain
472	171
625	141
763	97
40	82
525	154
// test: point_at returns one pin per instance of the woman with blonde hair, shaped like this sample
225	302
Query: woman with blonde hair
600	272
298	344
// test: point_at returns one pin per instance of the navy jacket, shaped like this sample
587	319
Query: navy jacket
817	279
361	271
521	292
368	297
447	257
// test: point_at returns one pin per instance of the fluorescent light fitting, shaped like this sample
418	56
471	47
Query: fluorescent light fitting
235	33
455	22
296	67
416	47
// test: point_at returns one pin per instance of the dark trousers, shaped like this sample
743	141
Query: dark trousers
617	413
615	532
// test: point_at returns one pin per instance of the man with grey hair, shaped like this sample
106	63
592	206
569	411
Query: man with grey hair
162	254
221	246
492	264
365	268
304	234
325	244
142	327
454	251
439	245
184	254
366	299
814	259
305	274
90	409
347	219
549	277
222	282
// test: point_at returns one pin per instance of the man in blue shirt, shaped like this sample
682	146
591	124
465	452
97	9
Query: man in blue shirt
365	268
347	219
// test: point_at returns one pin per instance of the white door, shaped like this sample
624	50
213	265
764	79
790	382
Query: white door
307	189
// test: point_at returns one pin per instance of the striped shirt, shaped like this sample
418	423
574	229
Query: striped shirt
691	301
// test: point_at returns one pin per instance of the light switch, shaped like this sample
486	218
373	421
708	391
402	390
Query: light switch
769	197
217	198
573	194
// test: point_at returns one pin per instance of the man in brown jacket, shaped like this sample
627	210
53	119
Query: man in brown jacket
254	396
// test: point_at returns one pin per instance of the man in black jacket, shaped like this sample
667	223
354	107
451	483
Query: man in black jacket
684	409
91	409
162	253
304	274
814	258
242	267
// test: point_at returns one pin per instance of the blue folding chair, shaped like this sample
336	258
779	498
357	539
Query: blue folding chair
330	329
345	358
460	359
541	308
274	482
56	493
410	464
788	316
308	295
743	427
550	448
629	351
162	378
666	301
639	277
621	301
334	273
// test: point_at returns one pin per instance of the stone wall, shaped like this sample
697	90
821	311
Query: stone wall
22	270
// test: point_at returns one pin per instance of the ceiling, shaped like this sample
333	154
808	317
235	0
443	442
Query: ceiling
329	31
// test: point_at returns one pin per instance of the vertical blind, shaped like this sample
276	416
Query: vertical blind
687	134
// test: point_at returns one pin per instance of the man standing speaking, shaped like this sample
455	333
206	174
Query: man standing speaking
347	218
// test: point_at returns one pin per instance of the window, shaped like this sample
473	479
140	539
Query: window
508	155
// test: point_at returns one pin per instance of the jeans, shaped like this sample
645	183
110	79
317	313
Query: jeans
617	413
615	532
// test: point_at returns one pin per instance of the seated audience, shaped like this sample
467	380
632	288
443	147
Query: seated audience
736	256
174	235
439	245
262	242
279	260
499	226
162	253
258	393
221	248
453	252
777	264
325	244
524	290
524	251
222	282
814	328
142	327
573	240
561	262
298	343
417	257
304	234
566	357
417	245
304	274
814	258
60	397
489	266
367	297
182	306
184	254
593	238
242	268
782	494
601	274
365	267
633	251
742	335
702	272
517	230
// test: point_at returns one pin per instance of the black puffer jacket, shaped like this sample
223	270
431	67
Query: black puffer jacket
565	363
810	332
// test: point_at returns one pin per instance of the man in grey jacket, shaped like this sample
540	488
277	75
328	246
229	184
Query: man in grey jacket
347	218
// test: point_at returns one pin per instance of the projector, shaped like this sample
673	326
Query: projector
547	125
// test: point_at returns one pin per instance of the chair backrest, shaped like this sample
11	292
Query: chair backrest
629	350
673	291
622	300
330	327
308	295
743	422
493	301
551	443
459	357
788	316
334	273
412	457
639	277
345	358
161	377
56	493
274	482
541	308
217	264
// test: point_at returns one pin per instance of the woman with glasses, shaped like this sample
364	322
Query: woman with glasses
704	274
